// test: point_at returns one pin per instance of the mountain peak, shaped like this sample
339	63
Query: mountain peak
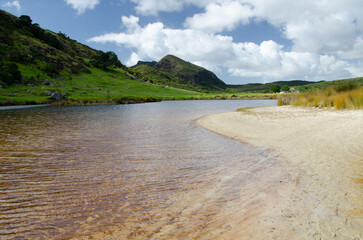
189	71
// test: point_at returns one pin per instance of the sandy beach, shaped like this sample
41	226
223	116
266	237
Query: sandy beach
323	199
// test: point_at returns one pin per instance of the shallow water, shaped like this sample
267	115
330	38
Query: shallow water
141	171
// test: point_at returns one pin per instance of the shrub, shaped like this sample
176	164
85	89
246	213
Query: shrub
285	88
105	60
9	73
346	87
275	88
51	69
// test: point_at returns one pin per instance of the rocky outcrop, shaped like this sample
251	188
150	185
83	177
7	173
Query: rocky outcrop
46	82
56	96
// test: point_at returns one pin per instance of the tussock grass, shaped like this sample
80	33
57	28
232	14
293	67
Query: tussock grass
346	96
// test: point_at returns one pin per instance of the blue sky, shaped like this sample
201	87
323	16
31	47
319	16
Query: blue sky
242	41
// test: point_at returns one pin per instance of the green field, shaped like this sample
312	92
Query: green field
104	87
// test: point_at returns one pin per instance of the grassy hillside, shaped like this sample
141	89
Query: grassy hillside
47	53
173	71
152	75
35	63
98	86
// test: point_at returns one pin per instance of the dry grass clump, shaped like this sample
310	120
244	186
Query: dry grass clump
347	96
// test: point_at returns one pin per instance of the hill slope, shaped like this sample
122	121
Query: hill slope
188	71
173	71
35	63
47	53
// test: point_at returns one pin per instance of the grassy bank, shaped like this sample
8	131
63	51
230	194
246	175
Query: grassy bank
345	96
104	87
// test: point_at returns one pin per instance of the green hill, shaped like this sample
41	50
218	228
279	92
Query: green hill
35	63
173	71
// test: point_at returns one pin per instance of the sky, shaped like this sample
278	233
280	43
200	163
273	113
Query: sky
241	41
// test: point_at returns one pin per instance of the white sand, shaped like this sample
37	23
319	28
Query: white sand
324	199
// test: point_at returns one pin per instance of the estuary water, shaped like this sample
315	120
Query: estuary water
144	171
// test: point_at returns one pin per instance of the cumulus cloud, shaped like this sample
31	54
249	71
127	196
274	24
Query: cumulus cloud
355	52
327	27
82	5
220	16
13	4
268	60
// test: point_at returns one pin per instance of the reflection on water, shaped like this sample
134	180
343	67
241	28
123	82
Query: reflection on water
126	172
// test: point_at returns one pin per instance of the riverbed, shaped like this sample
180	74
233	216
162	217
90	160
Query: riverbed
144	171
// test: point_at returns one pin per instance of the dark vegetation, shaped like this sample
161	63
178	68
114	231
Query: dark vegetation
105	60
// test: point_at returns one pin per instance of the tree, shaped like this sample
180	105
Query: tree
105	60
25	20
285	88
9	73
275	88
52	40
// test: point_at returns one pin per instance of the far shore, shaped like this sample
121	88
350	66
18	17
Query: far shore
125	100
325	147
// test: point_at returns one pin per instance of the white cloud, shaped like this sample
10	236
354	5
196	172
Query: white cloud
131	23
82	5
329	34
13	4
324	26
355	52
356	68
134	58
268	60
325	23
220	16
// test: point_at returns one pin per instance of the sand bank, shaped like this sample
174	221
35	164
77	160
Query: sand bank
324	198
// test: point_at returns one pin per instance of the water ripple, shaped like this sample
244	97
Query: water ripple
126	172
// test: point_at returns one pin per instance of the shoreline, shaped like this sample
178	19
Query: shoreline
325	147
127	100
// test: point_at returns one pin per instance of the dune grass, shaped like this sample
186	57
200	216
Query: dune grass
346	96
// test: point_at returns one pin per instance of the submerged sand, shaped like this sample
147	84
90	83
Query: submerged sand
324	150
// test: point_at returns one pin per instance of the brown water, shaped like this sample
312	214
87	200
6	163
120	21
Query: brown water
128	172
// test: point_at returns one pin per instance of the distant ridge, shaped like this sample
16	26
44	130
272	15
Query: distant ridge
260	87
